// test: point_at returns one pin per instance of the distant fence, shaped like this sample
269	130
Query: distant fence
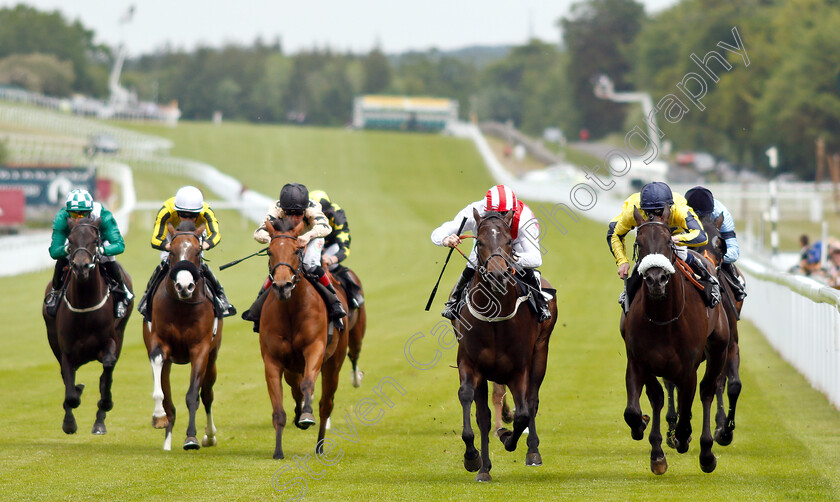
801	320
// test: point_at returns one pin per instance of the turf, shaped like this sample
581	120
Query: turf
396	188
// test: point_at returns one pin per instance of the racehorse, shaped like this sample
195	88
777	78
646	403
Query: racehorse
667	332
84	328
184	329
729	378
499	342
294	338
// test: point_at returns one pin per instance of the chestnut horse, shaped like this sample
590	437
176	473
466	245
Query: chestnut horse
294	340
84	328
499	342
730	377
667	333
183	330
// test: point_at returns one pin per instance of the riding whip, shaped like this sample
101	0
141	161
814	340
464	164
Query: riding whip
234	262
434	291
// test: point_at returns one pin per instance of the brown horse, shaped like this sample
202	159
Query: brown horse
730	378
84	328
667	332
183	330
294	338
499	342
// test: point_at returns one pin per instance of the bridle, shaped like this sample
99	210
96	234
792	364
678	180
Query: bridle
94	255
296	271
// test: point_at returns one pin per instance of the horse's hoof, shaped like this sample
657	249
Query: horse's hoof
69	427
191	443
638	433
98	429
670	440
357	378
723	437
708	465
472	464
160	422
682	446
659	466
208	441
533	459
503	433
483	477
278	455
306	420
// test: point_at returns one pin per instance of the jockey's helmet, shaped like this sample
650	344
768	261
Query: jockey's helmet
655	195
701	200
500	198
294	198
188	199
79	201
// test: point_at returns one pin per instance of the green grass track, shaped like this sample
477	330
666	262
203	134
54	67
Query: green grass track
395	188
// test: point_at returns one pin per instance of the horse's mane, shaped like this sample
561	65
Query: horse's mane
282	224
186	226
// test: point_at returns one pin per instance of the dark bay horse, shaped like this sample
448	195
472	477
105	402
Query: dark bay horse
294	341
183	330
730	377
499	342
667	332
84	328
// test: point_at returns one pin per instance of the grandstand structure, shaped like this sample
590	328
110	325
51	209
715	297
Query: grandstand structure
404	113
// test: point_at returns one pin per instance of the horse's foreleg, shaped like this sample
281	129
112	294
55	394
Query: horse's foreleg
294	379
168	405
539	364
274	381
733	390
156	359
209	438
72	395
198	368
634	379
314	356
716	353
482	418
106	403
686	390
466	395
671	415
658	464
522	413
330	374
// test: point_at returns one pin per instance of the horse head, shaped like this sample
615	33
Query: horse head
716	247
656	251
185	247
285	256
83	246
494	249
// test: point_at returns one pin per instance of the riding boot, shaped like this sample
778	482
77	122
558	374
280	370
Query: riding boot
327	292
218	290
123	295
59	275
533	281
711	286
450	309
145	304
254	311
735	281
354	294
634	282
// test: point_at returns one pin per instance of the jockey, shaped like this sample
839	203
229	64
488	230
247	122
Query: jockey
80	204
187	205
337	246
294	203
525	234
703	202
686	230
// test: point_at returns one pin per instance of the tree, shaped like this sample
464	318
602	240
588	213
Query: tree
377	72
597	35
41	73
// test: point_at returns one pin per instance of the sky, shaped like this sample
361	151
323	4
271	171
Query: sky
342	25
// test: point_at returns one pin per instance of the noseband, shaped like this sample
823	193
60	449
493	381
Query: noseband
295	271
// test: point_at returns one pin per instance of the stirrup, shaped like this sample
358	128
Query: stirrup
120	309
450	310
544	314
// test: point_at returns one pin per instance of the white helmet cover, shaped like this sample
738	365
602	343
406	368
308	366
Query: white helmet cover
189	199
